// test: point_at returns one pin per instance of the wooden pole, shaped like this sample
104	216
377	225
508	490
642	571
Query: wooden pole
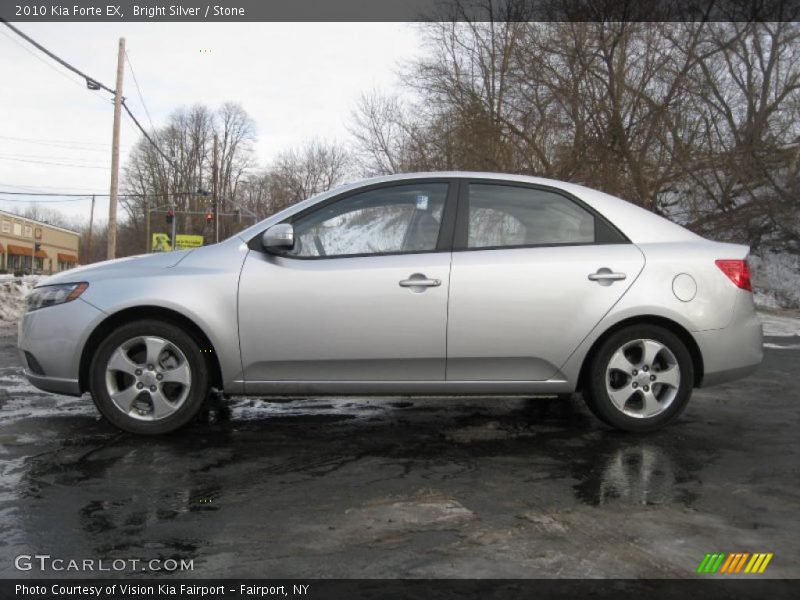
215	188
146	226
112	206
174	244
89	241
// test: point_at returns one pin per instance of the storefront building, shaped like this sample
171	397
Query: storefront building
29	246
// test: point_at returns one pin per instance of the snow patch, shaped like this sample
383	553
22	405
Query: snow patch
776	279
13	291
779	326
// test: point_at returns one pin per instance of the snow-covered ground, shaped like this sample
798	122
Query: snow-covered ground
780	325
12	296
776	279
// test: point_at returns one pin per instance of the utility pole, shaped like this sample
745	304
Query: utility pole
174	244
146	226
33	255
89	241
112	206
215	188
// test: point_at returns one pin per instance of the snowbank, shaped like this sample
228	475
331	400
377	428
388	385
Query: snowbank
13	291
776	279
780	325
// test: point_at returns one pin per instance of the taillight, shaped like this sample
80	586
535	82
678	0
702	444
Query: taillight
737	271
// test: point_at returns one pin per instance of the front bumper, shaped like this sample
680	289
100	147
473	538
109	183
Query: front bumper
55	337
735	351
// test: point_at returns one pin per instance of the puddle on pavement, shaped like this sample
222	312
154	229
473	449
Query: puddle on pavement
609	467
120	490
638	473
491	431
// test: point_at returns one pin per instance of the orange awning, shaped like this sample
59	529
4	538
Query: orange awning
25	251
67	258
22	250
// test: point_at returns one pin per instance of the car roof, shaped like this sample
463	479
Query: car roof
638	224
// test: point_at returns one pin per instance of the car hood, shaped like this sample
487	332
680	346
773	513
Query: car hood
111	268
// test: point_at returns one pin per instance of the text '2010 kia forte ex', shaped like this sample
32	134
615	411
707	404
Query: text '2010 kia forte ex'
433	283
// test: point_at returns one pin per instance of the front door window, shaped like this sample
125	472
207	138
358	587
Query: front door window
389	220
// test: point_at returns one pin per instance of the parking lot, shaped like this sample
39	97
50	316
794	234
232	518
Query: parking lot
399	487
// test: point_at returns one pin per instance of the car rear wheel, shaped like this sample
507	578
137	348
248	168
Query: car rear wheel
149	377
640	379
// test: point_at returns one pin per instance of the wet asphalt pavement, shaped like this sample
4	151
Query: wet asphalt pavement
419	487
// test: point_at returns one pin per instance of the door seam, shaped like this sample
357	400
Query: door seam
605	314
459	183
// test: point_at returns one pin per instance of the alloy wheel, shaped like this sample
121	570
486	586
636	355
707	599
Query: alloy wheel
642	378
148	378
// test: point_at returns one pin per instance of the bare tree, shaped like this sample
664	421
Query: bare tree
183	178
695	120
295	175
384	134
747	94
310	169
45	214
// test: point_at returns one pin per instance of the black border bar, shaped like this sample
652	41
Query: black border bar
389	589
159	11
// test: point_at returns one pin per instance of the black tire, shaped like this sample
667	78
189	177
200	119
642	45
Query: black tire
197	390
592	406
597	397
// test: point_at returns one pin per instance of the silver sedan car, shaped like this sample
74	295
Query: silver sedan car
432	284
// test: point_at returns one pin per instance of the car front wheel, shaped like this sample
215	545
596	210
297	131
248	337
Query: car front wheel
640	378
149	377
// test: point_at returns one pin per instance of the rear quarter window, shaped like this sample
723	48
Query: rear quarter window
512	216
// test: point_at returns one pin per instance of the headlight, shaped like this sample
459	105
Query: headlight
50	295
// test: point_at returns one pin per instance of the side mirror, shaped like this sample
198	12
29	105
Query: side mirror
278	237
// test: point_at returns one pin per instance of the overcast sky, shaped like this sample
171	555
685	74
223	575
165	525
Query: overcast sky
297	80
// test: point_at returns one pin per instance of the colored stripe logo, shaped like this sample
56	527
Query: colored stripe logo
735	563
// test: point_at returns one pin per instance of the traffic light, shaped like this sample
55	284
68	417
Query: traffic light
37	246
209	216
170	216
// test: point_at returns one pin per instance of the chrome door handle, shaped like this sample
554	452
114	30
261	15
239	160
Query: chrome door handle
606	276
420	280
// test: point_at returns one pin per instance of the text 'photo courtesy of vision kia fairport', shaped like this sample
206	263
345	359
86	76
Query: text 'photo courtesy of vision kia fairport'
433	284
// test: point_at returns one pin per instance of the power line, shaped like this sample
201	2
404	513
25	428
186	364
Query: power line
86	197
79	197
51	141
33	188
144	133
55	164
146	111
76	159
66	147
139	91
132	195
68	144
44	62
90	81
50	194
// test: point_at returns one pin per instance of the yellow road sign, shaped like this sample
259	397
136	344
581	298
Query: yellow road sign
160	243
183	241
